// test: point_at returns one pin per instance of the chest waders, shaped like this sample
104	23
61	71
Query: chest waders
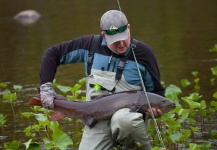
120	67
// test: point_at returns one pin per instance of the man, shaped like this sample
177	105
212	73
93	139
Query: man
115	70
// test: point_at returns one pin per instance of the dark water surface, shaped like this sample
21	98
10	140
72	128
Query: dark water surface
180	32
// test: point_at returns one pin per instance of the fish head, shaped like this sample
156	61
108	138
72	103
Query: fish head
165	105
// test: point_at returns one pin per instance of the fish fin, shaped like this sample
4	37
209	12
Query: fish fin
35	101
89	121
136	109
139	110
60	97
56	116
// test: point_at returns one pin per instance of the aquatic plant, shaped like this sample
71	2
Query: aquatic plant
3	120
180	128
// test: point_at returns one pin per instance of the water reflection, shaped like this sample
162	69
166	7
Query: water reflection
180	32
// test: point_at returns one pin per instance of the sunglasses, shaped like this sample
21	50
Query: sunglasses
114	31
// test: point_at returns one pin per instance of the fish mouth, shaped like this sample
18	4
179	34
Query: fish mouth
167	108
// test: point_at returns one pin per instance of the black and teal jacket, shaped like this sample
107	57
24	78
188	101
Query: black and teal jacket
105	64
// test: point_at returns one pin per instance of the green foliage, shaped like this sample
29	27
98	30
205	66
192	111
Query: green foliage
177	127
60	139
71	92
214	70
31	145
3	120
17	88
185	82
11	97
3	85
12	146
214	48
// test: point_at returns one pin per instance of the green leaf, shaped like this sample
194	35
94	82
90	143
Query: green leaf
196	80
202	104
41	117
64	89
186	133
194	129
172	93
194	146
36	127
168	115
3	120
27	114
215	95
205	145
184	114
176	137
194	73
194	96
61	140
214	70
3	85
203	113
191	103
11	97
185	82
48	144
156	148
192	121
17	87
28	132
82	81
14	145
214	104
75	87
30	145
54	125
212	81
214	48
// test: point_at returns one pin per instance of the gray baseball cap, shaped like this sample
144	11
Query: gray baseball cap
114	19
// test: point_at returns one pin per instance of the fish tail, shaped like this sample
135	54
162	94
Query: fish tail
56	116
35	101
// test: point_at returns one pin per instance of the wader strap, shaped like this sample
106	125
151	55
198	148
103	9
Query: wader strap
123	60
93	46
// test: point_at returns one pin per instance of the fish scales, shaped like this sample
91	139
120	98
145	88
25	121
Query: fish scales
105	106
98	108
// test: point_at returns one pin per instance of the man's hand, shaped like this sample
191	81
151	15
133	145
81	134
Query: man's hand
157	113
47	101
47	94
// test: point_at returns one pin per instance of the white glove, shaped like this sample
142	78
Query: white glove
47	95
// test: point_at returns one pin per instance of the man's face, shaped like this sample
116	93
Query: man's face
120	47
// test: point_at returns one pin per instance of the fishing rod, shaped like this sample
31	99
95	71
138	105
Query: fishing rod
148	101
119	5
144	89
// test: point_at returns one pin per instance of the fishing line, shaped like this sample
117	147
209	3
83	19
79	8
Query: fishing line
119	5
149	105
144	89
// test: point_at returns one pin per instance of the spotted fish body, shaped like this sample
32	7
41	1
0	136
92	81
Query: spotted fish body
104	107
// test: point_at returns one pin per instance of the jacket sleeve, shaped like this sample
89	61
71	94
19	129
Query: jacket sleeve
148	58
72	51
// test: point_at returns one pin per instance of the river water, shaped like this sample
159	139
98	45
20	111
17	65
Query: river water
180	32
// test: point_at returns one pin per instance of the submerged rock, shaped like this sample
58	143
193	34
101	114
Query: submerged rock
27	17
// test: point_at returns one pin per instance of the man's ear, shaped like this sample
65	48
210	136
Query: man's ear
103	34
128	26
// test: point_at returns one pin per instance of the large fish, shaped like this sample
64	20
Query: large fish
104	107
